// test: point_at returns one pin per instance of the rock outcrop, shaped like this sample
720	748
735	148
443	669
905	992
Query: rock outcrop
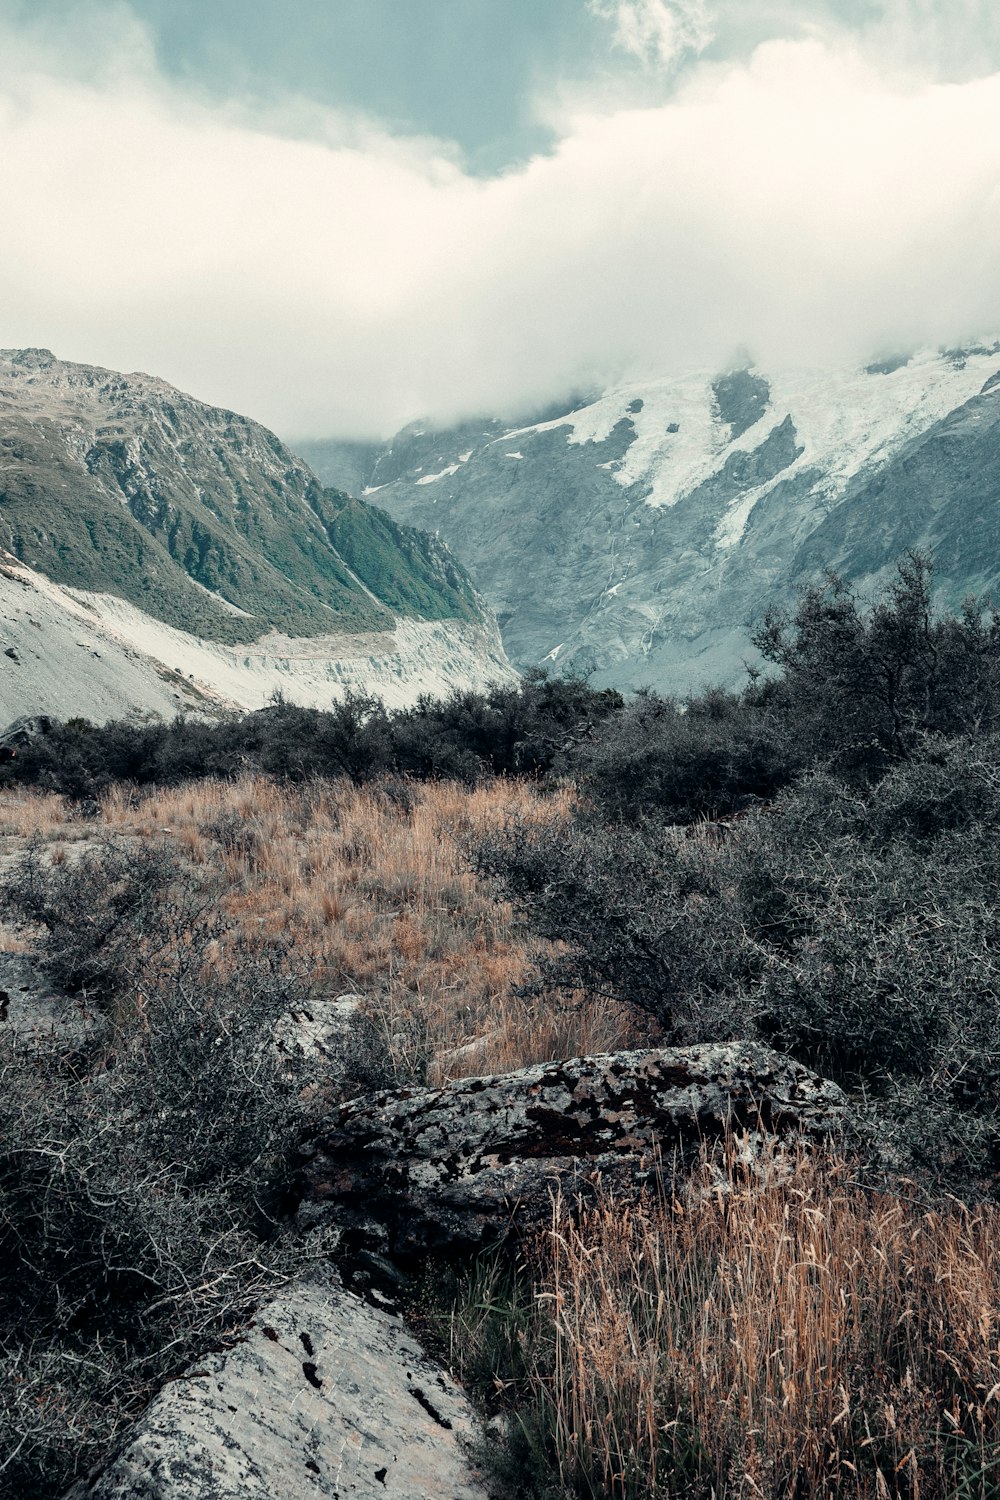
322	1396
33	1014
328	1395
456	1166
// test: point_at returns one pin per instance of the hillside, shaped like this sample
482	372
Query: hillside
183	557
639	536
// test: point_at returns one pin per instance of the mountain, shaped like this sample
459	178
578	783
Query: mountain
195	562
638	536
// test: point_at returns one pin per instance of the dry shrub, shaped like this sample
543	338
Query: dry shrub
791	1335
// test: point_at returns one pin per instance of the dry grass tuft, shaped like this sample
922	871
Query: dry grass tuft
796	1337
371	887
26	811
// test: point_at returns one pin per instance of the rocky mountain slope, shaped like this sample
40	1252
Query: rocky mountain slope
157	553
638	536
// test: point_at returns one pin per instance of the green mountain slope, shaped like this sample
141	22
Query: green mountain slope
202	518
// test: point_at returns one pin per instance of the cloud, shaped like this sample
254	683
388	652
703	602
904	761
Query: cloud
317	273
657	31
959	39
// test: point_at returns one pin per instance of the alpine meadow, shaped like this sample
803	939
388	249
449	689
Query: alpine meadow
500	848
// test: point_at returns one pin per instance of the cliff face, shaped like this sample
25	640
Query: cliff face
639	536
159	553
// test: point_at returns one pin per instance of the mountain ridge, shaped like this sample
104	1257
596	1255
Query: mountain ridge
193	512
639	537
159	554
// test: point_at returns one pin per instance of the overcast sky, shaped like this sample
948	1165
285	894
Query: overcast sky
336	215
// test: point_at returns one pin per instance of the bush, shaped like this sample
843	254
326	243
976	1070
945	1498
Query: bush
142	1185
711	756
531	729
861	690
639	915
854	929
103	916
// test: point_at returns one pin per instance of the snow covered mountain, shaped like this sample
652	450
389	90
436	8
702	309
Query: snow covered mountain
638	536
159	554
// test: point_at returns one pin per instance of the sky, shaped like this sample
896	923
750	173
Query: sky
340	215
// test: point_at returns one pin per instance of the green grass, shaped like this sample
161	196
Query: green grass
408	569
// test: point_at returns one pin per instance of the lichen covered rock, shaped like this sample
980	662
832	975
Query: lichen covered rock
457	1165
323	1396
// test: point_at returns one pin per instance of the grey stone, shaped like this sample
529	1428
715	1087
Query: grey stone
323	1396
458	1165
36	1015
316	1033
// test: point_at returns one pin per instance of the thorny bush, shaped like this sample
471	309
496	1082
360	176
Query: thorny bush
143	1176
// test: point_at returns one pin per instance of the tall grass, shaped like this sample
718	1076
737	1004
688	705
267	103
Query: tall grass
370	889
785	1335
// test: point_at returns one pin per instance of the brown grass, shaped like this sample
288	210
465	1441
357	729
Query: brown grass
372	886
24	812
796	1337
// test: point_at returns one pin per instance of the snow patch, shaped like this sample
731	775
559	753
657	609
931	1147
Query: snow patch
845	421
431	478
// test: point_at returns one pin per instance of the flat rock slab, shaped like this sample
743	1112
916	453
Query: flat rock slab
459	1165
36	1014
325	1396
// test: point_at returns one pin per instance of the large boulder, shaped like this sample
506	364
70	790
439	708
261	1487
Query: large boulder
24	731
324	1396
456	1166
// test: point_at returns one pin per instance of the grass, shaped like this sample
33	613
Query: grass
786	1332
791	1334
371	888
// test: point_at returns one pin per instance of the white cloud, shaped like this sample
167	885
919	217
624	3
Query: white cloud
956	39
657	31
326	278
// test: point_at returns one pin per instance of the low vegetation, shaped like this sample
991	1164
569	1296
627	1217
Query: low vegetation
503	878
776	1333
189	927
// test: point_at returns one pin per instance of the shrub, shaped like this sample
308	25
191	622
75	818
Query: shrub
142	1185
708	757
103	915
640	916
530	729
860	689
854	929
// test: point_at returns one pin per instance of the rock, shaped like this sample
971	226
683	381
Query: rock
323	1396
329	1049
24	730
316	1033
36	1015
455	1166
